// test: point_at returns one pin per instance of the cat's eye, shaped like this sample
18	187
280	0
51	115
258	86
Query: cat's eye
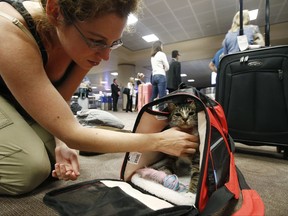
178	114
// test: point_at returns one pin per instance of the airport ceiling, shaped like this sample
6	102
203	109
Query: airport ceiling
181	21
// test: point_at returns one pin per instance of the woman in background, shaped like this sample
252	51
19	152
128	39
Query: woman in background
159	65
130	86
252	32
139	81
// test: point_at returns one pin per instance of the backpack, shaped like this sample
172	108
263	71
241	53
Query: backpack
221	185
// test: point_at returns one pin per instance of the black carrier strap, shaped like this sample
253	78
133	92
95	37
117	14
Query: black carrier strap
18	5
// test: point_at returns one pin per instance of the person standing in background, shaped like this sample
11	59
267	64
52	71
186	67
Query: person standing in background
84	88
213	65
174	72
140	77
115	90
252	32
129	103
159	65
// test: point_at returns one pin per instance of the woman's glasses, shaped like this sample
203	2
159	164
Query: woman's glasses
97	45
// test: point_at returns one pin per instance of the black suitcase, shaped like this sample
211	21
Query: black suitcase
252	87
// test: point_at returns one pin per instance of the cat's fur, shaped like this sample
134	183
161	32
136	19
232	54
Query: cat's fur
184	116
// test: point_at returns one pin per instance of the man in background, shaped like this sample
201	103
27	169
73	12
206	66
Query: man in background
174	72
115	94
213	65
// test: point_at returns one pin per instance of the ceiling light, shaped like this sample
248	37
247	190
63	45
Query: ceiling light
150	38
114	73
132	19
253	14
183	75
103	82
191	80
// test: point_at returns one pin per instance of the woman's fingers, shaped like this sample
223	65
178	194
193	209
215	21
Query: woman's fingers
190	150
62	173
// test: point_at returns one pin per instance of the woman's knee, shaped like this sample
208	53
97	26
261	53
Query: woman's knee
25	176
24	160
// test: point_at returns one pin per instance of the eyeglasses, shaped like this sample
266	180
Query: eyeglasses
97	45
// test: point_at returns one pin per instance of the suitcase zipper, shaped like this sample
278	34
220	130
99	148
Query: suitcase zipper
244	59
280	73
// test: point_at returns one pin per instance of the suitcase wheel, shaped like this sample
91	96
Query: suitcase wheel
284	150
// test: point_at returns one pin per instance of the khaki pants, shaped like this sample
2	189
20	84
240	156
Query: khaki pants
26	152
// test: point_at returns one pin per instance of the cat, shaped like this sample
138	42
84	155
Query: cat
184	116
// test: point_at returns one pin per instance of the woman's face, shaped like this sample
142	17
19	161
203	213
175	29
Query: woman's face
84	41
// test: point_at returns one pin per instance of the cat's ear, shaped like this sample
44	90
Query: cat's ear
171	106
193	104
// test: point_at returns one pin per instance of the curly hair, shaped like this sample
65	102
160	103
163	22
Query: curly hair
236	20
86	9
73	10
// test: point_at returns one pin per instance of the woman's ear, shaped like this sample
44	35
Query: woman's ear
53	11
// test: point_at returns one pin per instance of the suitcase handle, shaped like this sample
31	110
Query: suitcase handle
267	21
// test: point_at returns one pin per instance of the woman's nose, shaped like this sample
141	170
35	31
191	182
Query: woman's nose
104	54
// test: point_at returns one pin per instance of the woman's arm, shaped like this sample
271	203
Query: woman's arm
165	62
22	70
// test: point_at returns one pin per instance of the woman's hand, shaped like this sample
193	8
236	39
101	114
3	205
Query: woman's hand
67	164
178	143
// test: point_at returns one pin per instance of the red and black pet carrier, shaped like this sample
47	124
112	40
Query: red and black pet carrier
220	183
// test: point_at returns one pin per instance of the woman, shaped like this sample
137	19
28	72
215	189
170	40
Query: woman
139	81
254	36
130	86
159	65
41	65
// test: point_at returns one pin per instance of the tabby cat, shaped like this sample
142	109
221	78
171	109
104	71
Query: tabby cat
184	116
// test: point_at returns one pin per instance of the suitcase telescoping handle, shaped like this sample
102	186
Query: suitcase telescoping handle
267	21
241	31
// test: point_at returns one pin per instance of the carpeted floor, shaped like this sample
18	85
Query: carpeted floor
263	168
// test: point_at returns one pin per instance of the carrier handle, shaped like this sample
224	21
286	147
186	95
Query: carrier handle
252	202
211	104
217	201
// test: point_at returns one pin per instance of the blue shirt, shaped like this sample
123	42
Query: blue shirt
217	57
230	43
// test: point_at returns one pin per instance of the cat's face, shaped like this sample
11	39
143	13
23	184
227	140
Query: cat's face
183	116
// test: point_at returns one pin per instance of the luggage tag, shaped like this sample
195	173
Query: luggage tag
134	157
242	41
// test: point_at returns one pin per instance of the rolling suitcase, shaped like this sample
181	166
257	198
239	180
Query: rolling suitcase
144	94
252	87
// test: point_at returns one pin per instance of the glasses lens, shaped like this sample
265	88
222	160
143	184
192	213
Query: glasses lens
116	44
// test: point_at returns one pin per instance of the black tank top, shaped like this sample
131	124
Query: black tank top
4	91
